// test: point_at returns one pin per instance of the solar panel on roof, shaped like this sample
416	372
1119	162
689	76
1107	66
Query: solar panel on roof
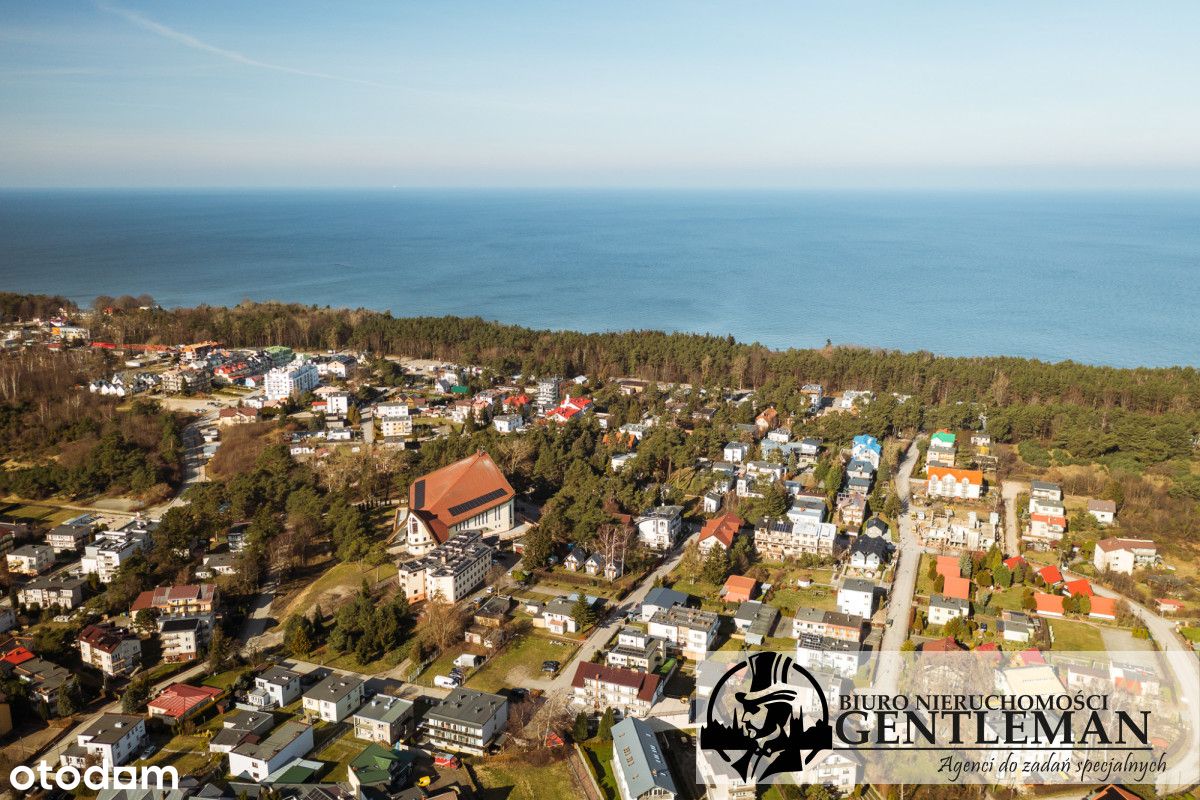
469	505
419	493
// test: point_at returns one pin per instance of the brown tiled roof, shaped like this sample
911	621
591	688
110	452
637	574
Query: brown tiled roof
163	596
103	637
724	528
1114	792
457	492
645	683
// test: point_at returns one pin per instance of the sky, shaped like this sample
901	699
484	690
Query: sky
451	93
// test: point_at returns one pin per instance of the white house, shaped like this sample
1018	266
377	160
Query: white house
114	739
628	692
658	528
112	650
942	609
334	698
257	760
291	380
275	688
686	630
964	484
337	404
1124	555
857	596
508	423
736	452
1104	511
31	559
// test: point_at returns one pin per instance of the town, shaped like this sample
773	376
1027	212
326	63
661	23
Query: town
331	573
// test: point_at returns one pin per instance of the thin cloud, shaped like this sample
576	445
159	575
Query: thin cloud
187	40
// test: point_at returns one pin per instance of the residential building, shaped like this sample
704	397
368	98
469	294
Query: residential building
112	650
451	570
466	721
180	701
639	764
574	559
1048	605
1104	511
508	423
866	448
384	719
1047	527
183	638
636	649
47	591
781	539
569	409
942	449
238	728
628	692
870	553
380	771
838	656
186	381
257	760
337	404
1124	555
274	688
105	556
470	494
840	770
334	698
548	393
739	589
755	621
558	615
712	501
30	559
291	380
736	452
72	535
852	508
660	598
720	532
1017	626
828	624
199	599
658	528
857	596
237	415
942	609
686	630
963	484
113	740
1044	490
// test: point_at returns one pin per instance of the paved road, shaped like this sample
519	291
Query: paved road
1182	662
1012	532
561	683
908	559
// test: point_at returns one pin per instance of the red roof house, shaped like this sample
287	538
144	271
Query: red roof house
1103	608
1168	606
947	566
1014	562
455	494
739	589
1051	575
720	530
1079	586
957	587
180	700
1048	605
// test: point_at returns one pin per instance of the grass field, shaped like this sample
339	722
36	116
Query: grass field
787	600
1079	636
1191	634
523	781
1006	599
599	756
521	660
439	666
334	585
36	513
339	752
187	753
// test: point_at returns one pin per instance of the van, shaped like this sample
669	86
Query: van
468	660
446	682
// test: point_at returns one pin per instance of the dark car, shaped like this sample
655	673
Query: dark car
550	666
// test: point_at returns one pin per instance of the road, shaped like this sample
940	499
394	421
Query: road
1185	667
607	629
908	560
1012	532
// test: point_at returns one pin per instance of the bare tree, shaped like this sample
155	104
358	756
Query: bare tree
443	622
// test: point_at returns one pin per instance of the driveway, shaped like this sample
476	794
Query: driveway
1012	538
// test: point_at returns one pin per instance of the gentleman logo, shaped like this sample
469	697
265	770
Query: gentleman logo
756	717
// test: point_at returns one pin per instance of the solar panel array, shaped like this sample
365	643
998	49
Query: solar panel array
483	499
419	493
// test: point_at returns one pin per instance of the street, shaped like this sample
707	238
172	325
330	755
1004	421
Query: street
900	600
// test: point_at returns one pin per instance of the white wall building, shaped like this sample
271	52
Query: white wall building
291	380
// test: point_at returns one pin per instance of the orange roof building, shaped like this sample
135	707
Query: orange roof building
180	700
739	589
720	531
947	567
471	494
1048	605
946	645
1051	575
1079	586
1103	608
957	587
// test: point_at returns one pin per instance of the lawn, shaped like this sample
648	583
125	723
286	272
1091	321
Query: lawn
187	753
520	661
787	600
224	680
1191	634
1006	599
599	756
36	512
523	781
339	752
1076	636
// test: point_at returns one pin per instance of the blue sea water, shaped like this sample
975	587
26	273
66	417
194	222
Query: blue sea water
1098	278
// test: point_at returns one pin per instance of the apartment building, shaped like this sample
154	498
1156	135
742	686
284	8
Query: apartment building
466	721
780	539
658	528
334	698
275	688
113	740
112	650
384	719
452	570
47	591
629	692
257	760
291	380
688	631
30	559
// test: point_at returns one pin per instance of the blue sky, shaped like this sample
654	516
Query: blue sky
446	93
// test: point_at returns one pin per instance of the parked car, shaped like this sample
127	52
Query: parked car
447	681
550	666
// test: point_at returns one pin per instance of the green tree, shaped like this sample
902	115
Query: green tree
604	732
716	566
579	731
583	613
136	694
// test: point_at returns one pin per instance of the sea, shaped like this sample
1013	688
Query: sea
1101	278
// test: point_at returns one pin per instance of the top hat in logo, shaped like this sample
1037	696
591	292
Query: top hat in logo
766	715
